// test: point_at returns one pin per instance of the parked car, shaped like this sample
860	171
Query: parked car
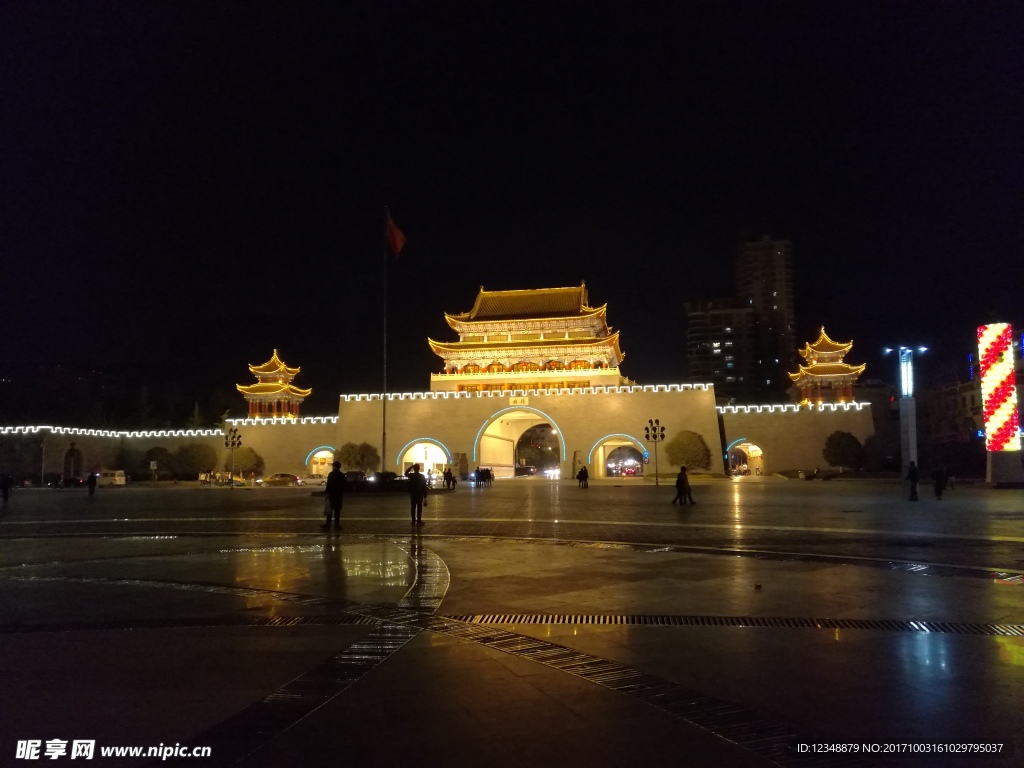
280	479
382	481
315	479
355	476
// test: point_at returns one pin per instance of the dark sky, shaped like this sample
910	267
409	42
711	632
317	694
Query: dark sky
185	186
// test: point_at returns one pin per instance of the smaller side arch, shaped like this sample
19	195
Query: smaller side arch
438	443
317	450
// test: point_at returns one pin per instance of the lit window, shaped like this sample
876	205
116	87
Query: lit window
728	330
716	344
716	351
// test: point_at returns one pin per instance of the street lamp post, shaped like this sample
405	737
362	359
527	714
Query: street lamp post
232	440
655	433
908	406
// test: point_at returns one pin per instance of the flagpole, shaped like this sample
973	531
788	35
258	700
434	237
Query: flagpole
384	396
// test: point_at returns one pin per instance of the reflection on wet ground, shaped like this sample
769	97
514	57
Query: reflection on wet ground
258	633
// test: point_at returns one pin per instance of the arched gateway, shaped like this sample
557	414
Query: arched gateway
528	358
524	359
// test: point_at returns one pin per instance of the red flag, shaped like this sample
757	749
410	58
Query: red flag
395	237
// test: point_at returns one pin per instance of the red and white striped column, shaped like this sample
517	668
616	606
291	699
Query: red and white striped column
998	387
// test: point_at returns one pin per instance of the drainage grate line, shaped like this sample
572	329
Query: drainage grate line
883	625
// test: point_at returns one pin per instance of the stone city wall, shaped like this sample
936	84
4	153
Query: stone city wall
791	436
587	420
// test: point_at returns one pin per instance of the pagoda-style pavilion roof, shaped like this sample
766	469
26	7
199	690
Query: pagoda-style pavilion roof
824	370
529	304
272	366
825	345
272	388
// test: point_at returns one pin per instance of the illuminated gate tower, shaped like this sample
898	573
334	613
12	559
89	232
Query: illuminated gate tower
543	339
273	396
826	378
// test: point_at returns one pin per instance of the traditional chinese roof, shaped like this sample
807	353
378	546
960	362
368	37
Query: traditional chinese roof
269	388
529	304
827	370
274	366
825	346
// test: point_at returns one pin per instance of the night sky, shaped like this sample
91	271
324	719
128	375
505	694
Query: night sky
186	186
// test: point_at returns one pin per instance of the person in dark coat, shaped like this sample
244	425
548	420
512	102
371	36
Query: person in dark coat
683	492
335	489
448	478
91	482
5	487
939	482
417	494
584	477
912	476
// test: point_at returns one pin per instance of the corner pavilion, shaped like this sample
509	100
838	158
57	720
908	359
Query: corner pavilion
826	378
274	395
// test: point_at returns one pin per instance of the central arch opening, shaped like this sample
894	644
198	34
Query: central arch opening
519	438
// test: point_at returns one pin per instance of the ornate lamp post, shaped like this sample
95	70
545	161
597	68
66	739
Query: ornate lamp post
654	433
232	440
908	406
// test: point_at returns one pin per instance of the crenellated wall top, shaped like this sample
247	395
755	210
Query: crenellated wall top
609	390
791	408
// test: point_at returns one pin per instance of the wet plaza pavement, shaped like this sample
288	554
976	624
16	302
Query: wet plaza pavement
527	622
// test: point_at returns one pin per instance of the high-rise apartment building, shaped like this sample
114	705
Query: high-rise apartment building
757	325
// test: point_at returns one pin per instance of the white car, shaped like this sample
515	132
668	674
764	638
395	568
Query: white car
315	480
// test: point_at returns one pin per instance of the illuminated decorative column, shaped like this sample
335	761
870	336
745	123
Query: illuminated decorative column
999	395
908	406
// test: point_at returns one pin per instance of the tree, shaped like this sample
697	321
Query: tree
246	461
349	456
363	456
166	466
537	457
195	421
882	451
195	458
371	459
688	449
843	449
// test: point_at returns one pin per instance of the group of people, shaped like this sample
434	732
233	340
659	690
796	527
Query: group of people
583	477
941	480
334	495
211	478
449	479
484	476
683	492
